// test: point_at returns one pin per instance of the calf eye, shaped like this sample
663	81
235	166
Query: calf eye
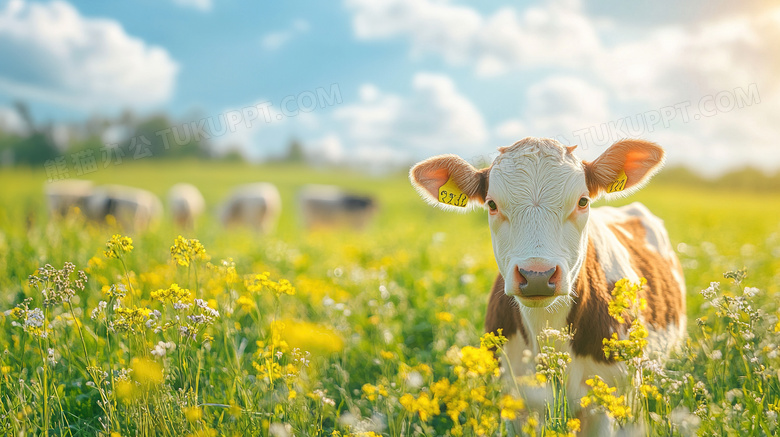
583	202
492	205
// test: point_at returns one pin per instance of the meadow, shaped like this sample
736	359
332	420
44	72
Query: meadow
216	332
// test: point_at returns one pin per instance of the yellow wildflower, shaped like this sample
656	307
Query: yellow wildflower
117	246
245	303
476	361
128	319
259	282
146	372
651	392
94	263
186	251
633	347
625	298
423	405
509	406
307	336
193	414
603	395
444	317
490	340
174	293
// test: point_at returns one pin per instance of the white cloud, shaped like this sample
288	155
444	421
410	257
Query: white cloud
201	5
50	52
12	122
261	130
597	80
685	64
672	64
435	118
275	40
510	131
556	107
493	44
328	149
560	104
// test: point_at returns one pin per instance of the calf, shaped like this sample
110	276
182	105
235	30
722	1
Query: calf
558	259
133	208
255	205
186	204
328	206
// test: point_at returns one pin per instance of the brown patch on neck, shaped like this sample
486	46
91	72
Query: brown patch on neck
503	313
664	297
589	316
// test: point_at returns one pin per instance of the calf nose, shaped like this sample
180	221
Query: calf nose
536	280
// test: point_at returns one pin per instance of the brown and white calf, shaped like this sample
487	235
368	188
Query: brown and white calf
558	259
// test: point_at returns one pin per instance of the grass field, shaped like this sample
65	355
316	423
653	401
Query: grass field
380	331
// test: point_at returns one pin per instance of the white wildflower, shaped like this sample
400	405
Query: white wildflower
711	291
162	348
52	357
750	291
211	312
280	429
414	379
99	310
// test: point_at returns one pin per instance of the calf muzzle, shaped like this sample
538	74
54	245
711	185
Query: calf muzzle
533	283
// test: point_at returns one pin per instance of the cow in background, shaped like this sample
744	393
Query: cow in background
133	208
256	205
324	206
67	195
186	204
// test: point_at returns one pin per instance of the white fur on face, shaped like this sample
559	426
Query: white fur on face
536	185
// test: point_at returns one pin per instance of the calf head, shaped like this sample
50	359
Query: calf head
538	195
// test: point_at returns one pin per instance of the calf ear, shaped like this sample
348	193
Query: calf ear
623	169
450	182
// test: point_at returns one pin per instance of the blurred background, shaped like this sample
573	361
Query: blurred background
377	85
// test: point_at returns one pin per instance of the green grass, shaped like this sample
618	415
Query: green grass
381	307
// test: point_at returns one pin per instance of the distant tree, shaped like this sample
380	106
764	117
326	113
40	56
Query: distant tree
38	146
295	152
232	155
158	137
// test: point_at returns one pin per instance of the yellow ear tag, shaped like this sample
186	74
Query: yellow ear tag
450	194
619	184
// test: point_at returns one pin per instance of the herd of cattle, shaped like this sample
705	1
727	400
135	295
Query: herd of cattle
257	205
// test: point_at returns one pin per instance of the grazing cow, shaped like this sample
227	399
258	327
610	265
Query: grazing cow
255	205
558	259
325	206
186	204
133	208
66	195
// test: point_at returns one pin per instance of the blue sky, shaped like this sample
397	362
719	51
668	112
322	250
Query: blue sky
414	77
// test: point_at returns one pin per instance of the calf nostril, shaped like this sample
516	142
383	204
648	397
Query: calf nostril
519	278
556	276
